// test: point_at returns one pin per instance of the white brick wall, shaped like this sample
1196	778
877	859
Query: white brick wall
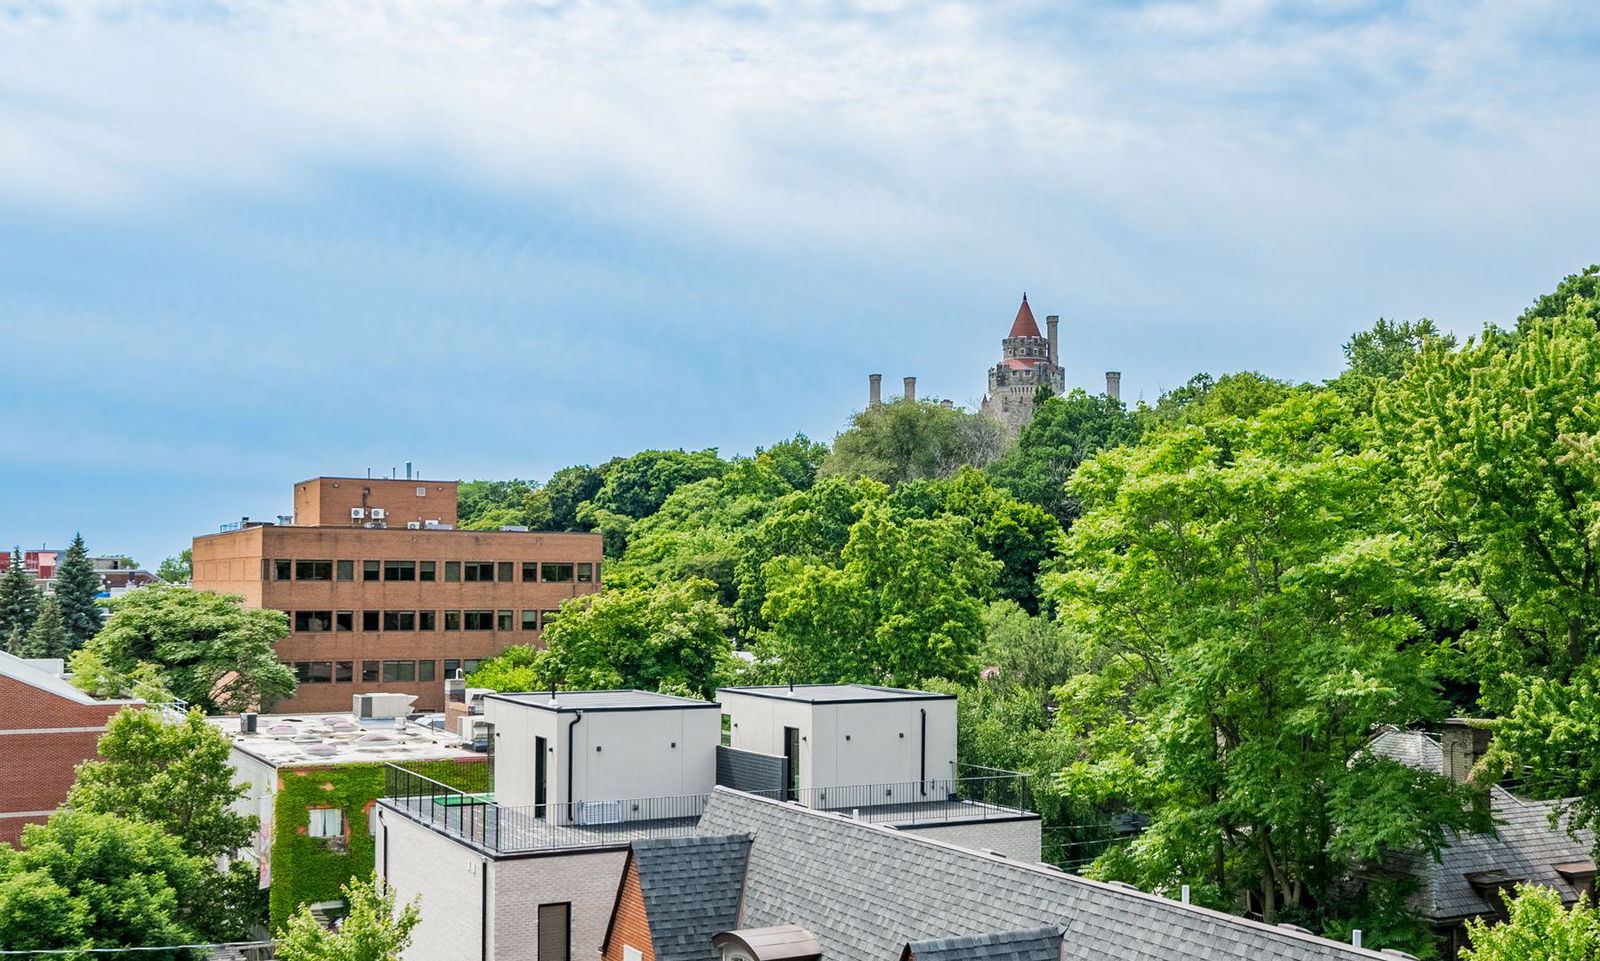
1018	840
448	877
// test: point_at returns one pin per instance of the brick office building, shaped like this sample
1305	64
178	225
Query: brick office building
383	594
47	727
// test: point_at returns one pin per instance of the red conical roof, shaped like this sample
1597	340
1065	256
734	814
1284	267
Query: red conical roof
1024	325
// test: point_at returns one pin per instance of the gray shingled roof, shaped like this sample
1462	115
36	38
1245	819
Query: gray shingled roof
690	888
1525	845
1034	944
867	890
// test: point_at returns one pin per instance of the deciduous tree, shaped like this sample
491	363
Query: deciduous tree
373	929
1538	928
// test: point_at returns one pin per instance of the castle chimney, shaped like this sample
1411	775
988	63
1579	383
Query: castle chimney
1463	744
1052	324
874	390
911	388
1114	384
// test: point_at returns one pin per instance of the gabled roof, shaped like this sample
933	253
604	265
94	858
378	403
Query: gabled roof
1024	325
1034	944
865	891
690	888
1525	845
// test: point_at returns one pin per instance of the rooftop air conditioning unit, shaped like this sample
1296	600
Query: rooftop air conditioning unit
474	734
413	525
379	513
377	706
599	812
356	513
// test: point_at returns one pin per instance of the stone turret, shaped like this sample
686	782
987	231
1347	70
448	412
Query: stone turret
1114	384
874	390
1028	361
911	388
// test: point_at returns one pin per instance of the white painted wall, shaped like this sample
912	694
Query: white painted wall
258	802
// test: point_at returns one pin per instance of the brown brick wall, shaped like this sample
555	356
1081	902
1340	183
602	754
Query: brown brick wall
629	924
233	563
39	750
327	501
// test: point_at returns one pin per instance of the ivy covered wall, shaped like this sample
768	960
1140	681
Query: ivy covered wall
308	870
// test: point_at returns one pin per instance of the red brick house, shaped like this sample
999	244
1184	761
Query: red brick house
47	727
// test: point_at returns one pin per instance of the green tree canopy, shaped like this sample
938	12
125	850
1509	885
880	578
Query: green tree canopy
176	775
483	505
673	637
1537	928
47	637
373	929
904	604
77	589
19	601
90	879
913	440
178	569
207	649
1064	432
1241	603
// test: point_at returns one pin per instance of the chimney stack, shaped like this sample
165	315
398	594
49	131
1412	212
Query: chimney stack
1114	384
874	390
1463	744
911	388
1052	324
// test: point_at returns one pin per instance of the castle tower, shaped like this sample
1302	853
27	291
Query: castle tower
1028	361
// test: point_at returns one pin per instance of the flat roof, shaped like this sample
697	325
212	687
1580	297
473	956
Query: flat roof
566	701
836	693
318	740
397	480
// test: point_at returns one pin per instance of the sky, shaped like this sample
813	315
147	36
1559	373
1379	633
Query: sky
242	244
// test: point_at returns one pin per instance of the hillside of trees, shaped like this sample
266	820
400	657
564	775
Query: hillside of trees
1196	611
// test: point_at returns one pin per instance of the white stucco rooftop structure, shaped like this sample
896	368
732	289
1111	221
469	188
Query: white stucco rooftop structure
316	740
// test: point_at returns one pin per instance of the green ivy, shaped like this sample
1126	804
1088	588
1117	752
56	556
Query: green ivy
308	870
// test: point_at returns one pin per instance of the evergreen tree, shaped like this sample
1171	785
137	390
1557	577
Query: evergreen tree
47	637
77	586
19	600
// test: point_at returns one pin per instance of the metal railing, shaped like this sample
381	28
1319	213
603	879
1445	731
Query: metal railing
475	817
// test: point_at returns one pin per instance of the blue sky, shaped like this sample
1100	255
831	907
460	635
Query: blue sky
246	243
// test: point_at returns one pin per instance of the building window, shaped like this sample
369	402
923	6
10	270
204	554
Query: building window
399	670
452	620
313	622
451	666
426	570
452	570
422	492
326	823
343	672
425	670
555	932
399	620
507	571
427	620
344	620
399	570
470	664
585	573
280	569
478	620
313	672
530	620
557	573
346	569
370	620
313	570
478	570
505	621
727	730
371	570
369	672
530	570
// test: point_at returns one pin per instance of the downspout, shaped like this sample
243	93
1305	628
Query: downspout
571	753
484	923
922	755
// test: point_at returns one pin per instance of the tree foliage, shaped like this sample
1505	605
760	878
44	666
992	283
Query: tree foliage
178	569
913	440
206	648
19	602
47	637
1064	432
77	590
1537	928
374	928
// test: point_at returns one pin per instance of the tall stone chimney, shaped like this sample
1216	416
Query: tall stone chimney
911	388
874	390
1052	324
1114	384
1463	745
